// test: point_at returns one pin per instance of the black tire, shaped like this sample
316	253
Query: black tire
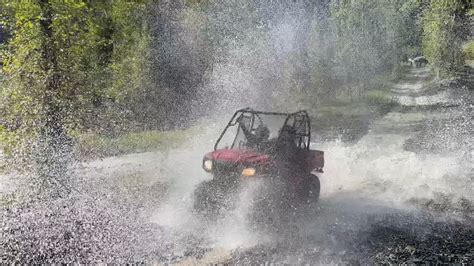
211	197
310	189
272	208
277	209
265	213
314	188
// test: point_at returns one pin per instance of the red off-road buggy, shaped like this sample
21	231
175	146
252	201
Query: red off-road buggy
267	146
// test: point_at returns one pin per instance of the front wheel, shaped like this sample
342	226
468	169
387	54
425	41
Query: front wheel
312	188
210	197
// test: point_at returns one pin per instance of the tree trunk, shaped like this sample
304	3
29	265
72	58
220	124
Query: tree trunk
53	143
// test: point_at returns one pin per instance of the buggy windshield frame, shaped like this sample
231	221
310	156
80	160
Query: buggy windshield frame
299	121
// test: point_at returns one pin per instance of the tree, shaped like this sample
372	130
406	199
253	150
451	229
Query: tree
69	63
65	60
44	81
443	34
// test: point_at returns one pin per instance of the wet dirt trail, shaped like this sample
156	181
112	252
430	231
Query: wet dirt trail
380	200
402	193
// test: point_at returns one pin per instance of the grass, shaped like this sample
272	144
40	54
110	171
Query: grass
94	145
378	97
468	49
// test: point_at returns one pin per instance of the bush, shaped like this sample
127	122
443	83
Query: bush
469	50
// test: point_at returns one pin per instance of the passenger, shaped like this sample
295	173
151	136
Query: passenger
286	145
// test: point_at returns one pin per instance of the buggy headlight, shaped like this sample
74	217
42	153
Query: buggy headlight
207	165
248	171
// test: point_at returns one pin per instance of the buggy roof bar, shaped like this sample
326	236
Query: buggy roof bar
250	110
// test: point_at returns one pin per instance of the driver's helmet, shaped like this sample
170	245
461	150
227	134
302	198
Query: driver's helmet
262	132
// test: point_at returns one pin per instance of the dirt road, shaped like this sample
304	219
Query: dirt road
381	201
403	192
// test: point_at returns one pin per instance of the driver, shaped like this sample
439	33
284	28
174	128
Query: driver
262	133
254	140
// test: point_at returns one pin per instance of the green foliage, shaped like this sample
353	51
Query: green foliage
411	27
367	37
469	50
131	49
361	41
442	35
65	66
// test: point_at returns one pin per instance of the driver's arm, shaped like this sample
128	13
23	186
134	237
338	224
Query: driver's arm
246	131
251	138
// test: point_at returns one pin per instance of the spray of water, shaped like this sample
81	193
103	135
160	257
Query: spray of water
376	180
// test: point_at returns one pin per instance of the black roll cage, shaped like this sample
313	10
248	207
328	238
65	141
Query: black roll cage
300	118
